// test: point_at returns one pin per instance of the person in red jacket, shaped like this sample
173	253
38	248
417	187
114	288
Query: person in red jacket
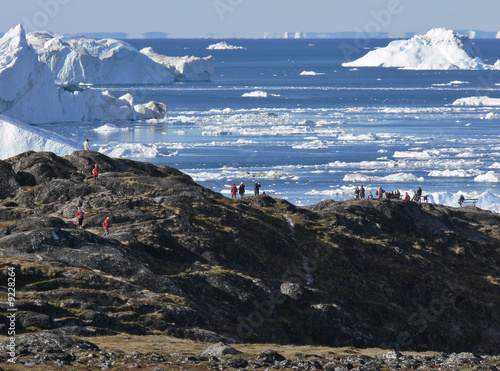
105	225
234	190
79	215
95	173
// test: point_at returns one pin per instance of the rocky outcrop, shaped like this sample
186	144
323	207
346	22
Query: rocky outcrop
185	261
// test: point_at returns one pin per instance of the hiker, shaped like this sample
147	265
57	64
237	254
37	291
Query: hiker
234	190
419	194
256	187
95	173
105	226
86	145
362	192
407	197
370	194
79	203
461	200
380	192
415	196
79	215
241	189
356	192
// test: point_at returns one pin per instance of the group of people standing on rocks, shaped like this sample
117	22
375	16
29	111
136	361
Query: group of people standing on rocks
241	189
359	192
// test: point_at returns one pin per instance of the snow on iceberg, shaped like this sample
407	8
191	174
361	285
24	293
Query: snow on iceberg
28	91
477	101
184	68
223	46
438	49
17	137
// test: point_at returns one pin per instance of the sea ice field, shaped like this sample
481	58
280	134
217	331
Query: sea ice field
288	114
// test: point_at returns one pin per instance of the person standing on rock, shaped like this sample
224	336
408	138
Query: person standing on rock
105	226
80	215
234	190
256	187
362	192
241	189
86	145
95	173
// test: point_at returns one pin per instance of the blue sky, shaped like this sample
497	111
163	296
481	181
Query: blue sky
248	18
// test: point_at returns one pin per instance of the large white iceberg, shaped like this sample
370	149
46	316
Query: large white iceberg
438	49
17	137
184	68
110	61
477	101
105	61
28	91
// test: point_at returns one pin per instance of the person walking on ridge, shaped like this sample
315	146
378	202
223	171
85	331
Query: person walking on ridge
234	190
86	145
105	226
80	215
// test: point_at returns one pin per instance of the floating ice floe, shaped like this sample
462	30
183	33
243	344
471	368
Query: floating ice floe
399	177
452	83
17	137
488	177
110	128
438	49
459	173
477	101
259	94
136	150
223	46
311	73
416	154
360	137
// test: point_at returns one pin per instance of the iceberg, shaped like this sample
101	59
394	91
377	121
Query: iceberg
29	93
477	101
110	61
223	46
17	137
184	68
106	61
438	49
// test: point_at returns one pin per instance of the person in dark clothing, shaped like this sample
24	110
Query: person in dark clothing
419	194
241	189
362	192
256	187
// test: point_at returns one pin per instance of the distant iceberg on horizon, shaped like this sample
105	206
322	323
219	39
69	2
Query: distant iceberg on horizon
438	49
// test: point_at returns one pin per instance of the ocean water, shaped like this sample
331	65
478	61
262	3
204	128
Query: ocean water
312	137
